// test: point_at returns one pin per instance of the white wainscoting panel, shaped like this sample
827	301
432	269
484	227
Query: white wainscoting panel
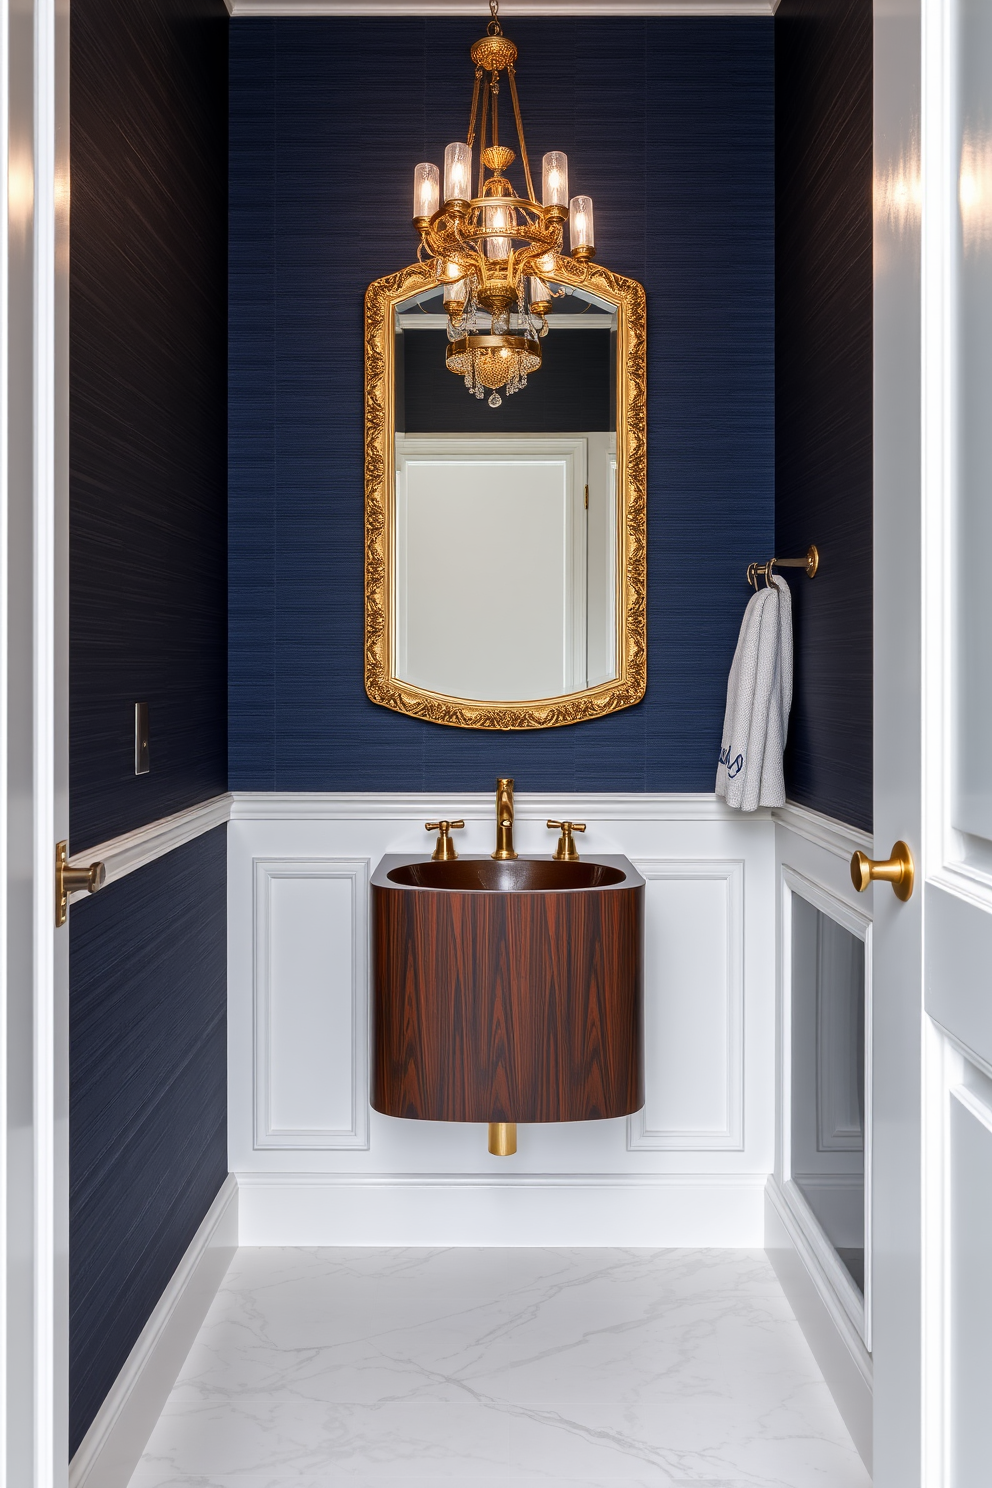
693	1007
311	1002
813	854
316	1161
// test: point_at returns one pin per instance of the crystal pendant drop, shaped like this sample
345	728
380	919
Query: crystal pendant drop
495	400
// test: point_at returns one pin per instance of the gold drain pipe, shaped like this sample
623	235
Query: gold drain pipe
502	1138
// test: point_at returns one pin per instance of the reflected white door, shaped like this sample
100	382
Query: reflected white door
490	566
932	1203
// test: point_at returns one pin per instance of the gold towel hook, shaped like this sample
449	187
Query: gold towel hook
811	563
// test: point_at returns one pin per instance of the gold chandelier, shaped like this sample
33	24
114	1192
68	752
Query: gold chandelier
494	252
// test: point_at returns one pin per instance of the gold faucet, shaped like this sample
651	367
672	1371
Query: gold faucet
504	820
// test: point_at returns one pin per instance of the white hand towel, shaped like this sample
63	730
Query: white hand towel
759	696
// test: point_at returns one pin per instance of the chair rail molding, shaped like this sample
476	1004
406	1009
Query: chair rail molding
824	831
133	850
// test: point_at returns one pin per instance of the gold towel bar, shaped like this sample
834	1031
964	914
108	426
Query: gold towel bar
810	563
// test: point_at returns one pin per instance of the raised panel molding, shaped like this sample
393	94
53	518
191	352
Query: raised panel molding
300	957
719	1065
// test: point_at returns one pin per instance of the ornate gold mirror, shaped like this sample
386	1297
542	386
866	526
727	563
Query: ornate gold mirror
505	485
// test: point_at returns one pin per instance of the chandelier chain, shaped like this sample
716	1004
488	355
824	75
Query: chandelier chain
482	140
475	107
511	75
494	28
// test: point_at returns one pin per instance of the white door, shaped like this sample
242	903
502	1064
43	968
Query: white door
932	1202
493	532
34	464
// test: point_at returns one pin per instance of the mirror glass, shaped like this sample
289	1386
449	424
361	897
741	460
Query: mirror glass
505	524
828	1079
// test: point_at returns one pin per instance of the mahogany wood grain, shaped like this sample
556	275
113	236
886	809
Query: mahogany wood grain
520	1006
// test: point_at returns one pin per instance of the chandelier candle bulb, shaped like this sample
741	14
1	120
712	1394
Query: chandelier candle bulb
455	295
555	181
540	295
498	220
426	193
580	227
457	174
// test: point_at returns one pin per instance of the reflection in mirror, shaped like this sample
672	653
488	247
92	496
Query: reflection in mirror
505	521
828	1079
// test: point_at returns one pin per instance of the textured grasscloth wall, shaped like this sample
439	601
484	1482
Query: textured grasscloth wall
148	601
669	126
148	368
823	397
148	1108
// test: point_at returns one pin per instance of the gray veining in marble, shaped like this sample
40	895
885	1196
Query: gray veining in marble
530	1368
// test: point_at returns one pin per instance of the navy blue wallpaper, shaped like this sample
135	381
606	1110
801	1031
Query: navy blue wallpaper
148	623
669	127
147	409
823	368
148	1098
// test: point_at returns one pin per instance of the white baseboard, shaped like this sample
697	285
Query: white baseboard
111	1448
527	1210
834	1341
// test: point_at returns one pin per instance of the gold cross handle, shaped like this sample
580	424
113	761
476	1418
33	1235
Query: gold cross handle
566	851
444	852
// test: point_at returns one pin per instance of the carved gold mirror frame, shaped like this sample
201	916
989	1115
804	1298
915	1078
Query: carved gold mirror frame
628	686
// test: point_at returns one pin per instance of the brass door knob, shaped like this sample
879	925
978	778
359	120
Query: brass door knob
70	880
899	870
444	851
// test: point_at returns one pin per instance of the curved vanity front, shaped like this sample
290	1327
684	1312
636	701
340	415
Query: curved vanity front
507	991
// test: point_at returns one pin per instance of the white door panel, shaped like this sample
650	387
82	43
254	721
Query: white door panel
933	703
959	969
970	1292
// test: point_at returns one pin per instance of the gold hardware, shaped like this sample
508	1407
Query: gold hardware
488	359
70	880
810	563
495	241
566	851
504	819
583	254
628	686
444	852
502	1138
899	870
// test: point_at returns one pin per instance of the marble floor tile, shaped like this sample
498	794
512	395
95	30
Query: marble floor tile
520	1367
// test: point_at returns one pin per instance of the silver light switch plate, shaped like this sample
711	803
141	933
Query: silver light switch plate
141	763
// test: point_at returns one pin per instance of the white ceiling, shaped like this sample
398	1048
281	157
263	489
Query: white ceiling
508	8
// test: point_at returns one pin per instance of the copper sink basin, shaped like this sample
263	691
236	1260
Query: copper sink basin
507	991
515	876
